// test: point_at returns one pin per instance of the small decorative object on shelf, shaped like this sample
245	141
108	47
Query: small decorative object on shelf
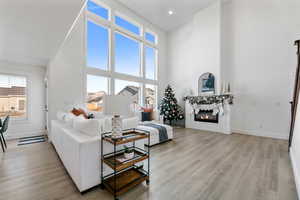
124	163
128	153
116	126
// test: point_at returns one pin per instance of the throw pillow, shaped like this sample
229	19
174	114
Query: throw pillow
150	110
149	116
78	112
146	116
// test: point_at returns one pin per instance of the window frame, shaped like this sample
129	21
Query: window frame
110	73
27	95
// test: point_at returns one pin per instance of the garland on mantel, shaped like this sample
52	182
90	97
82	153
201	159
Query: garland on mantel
211	99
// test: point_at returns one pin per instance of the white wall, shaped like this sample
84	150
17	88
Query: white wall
67	72
257	57
194	49
66	81
35	122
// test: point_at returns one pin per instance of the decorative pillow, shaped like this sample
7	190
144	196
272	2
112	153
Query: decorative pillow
91	127
98	115
147	114
79	111
150	110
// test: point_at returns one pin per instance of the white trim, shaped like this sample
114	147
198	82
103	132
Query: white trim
18	134
262	134
296	169
126	77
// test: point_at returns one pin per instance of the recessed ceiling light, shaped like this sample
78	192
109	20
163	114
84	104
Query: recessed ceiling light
170	12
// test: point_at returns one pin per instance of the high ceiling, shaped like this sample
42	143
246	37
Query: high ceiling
156	11
31	31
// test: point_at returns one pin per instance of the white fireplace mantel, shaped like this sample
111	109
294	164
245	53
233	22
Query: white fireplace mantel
223	126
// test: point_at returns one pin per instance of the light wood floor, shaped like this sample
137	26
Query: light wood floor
195	165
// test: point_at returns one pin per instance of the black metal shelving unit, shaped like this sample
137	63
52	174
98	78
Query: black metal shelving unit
126	174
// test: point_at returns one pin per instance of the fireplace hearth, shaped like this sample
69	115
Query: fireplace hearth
206	116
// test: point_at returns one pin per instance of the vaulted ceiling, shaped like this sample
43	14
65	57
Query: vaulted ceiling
156	11
31	31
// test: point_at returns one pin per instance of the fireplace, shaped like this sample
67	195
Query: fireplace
206	116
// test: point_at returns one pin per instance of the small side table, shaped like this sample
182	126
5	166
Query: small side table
126	174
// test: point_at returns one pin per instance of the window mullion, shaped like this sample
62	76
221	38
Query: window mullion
112	54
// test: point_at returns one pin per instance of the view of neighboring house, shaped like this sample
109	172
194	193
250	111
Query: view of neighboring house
12	101
95	99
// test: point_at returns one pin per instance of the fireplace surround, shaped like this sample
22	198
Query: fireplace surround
223	125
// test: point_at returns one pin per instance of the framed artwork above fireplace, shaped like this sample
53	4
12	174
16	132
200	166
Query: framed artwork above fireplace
206	84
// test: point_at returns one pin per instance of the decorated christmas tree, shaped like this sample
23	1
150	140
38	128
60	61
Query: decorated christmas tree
169	107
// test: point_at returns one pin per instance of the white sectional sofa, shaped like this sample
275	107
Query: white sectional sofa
80	153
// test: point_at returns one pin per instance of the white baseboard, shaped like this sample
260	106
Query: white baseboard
261	134
21	134
296	170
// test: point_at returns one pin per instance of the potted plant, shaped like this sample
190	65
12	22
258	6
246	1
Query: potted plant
128	153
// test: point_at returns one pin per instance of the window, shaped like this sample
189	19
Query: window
121	58
97	87
13	96
127	55
98	10
150	96
150	63
127	25
128	88
97	46
150	38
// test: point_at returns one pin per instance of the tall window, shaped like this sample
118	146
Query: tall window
97	46
127	55
150	63
97	87
121	57
13	96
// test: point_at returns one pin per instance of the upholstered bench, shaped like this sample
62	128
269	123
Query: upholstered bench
159	133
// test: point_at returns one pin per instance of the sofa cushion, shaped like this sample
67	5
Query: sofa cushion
68	119
91	127
60	115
